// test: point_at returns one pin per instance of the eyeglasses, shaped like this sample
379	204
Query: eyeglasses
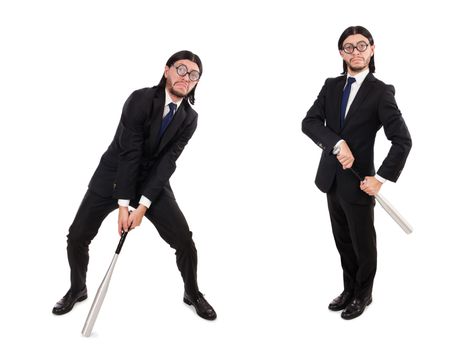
361	47
182	71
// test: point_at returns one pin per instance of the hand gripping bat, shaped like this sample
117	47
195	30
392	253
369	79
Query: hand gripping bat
393	213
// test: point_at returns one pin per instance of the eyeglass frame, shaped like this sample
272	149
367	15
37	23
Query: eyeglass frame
187	72
355	47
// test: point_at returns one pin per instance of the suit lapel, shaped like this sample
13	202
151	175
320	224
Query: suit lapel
156	119
360	97
173	126
334	121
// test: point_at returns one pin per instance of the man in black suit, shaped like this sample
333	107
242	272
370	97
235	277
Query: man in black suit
155	126
343	121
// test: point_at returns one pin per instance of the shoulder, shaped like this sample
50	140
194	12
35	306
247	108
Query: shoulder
335	80
330	85
139	103
379	84
188	109
146	93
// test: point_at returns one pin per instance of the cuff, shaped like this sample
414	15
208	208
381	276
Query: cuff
336	149
380	179
145	201
123	202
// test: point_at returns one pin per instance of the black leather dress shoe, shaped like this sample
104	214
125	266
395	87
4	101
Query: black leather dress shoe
202	307
66	304
355	308
341	301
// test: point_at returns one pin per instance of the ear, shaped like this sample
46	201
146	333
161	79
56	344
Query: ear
342	54
372	47
166	69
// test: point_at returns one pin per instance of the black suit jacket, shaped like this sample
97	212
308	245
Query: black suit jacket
374	106
137	161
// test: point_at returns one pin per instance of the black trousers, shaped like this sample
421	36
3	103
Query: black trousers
355	238
164	214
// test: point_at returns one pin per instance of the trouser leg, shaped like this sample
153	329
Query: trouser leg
343	241
91	213
355	238
172	226
362	232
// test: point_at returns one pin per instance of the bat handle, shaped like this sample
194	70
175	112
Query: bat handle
121	241
354	172
357	174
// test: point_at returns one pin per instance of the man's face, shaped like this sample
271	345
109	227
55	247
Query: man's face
357	61
178	85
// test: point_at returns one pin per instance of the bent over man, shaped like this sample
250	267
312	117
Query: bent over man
155	126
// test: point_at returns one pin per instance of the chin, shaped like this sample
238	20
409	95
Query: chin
178	93
357	69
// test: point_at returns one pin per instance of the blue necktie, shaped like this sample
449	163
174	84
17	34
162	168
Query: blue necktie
167	119
345	96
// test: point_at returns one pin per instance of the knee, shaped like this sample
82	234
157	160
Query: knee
185	242
76	239
79	234
77	245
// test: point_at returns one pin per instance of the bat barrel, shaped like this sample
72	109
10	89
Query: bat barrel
102	290
98	300
398	218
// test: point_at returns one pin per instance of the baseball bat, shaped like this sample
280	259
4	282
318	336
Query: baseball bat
386	205
102	290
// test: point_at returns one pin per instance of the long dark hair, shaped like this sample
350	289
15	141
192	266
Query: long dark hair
357	30
184	55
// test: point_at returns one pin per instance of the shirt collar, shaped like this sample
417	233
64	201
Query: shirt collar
168	99
360	76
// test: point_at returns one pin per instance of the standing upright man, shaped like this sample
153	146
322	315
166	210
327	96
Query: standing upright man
343	121
154	128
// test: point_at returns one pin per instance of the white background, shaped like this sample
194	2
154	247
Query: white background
267	260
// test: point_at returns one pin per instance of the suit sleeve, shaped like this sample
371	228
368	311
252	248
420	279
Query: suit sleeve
314	124
165	167
130	139
396	131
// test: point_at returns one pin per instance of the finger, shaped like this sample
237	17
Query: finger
125	225
342	156
131	222
135	223
122	226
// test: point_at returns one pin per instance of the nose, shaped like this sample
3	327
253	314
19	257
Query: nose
355	51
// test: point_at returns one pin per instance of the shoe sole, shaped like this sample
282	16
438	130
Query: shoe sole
67	310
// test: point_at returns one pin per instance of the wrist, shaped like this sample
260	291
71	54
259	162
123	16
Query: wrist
123	202
141	207
336	149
